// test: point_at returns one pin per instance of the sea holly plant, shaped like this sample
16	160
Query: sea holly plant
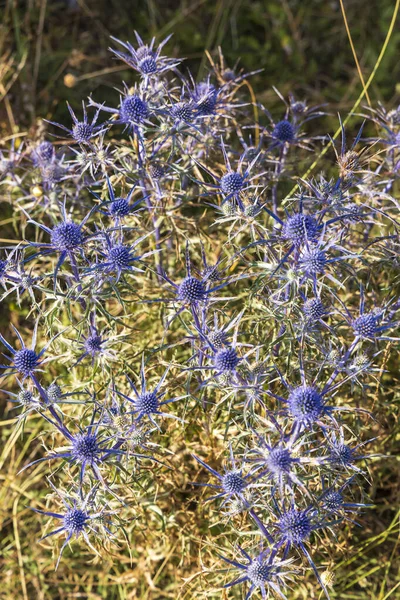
178	302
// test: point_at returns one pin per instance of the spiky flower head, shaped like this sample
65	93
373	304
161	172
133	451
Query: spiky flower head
341	455
332	501
43	153
314	309
192	290
218	338
260	572
156	170
93	344
206	98
313	260
295	526
283	131
279	460
226	360
74	520
134	110
231	183
147	403
229	208
119	257
147	63
120	207
232	482
365	325
85	448
66	236
305	404
26	361
182	111
54	392
82	132
25	397
300	228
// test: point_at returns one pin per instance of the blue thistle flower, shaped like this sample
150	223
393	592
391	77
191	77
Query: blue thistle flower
133	110
284	132
232	482
67	239
279	462
264	572
26	361
147	403
206	98
294	528
86	449
119	207
119	258
226	360
314	309
77	519
82	132
306	404
333	502
299	228
182	111
233	182
146	59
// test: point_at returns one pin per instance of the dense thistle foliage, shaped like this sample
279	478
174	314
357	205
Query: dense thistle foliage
162	209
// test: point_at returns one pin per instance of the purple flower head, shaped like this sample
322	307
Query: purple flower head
182	111
133	110
83	131
264	572
77	518
232	183
145	58
232	482
280	461
85	448
226	360
295	526
205	97
300	228
54	392
25	361
306	404
119	258
66	236
313	260
333	501
118	207
366	325
314	309
192	290
284	132
148	403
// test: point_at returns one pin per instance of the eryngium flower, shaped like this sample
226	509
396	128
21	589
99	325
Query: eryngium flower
300	228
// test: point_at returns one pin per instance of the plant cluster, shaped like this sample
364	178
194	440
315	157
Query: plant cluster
176	267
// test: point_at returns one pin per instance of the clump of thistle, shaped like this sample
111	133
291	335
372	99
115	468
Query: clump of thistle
162	245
